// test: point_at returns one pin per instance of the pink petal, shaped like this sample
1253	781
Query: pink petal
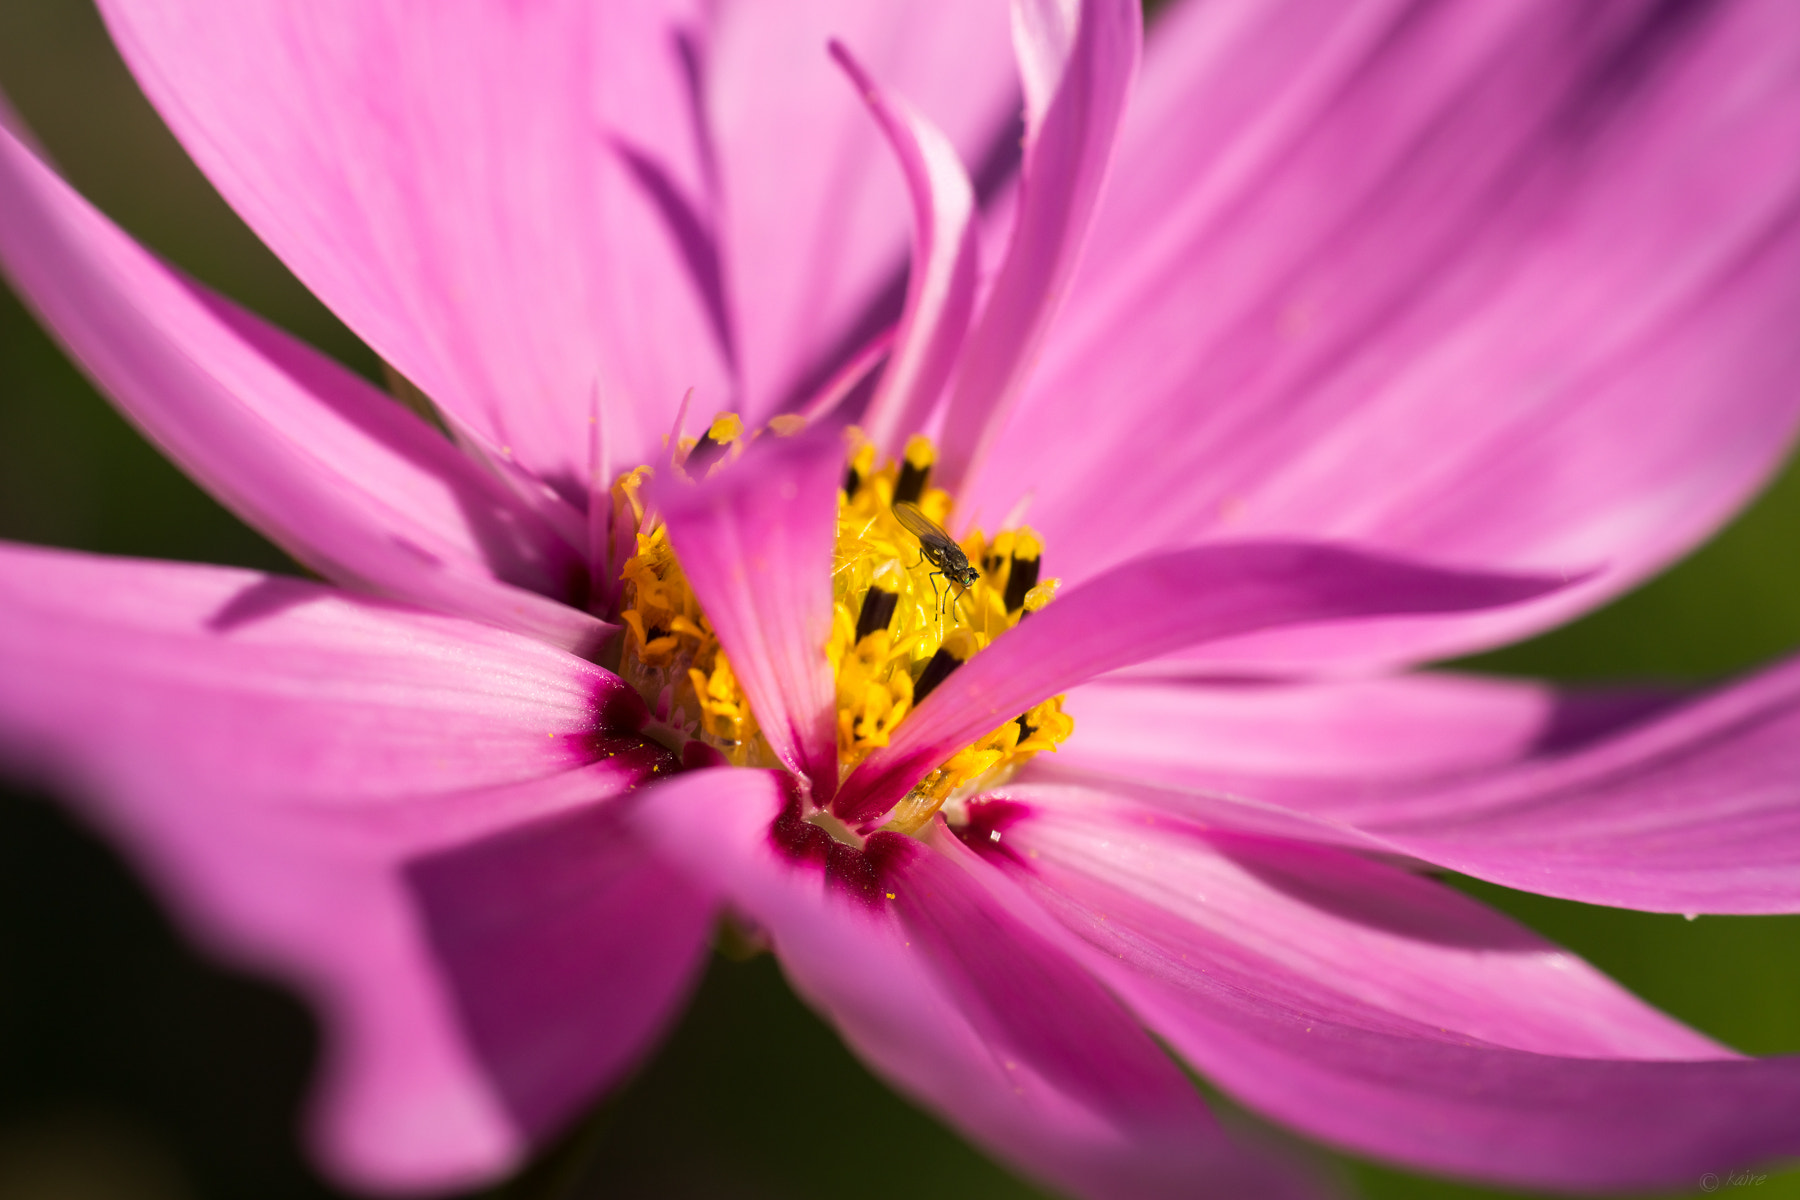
1697	811
756	542
338	474
304	773
1387	938
940	291
567	948
1078	59
1266	994
1509	286
1051	783
1316	761
507	202
1278	741
1144	609
962	999
1634	801
814	213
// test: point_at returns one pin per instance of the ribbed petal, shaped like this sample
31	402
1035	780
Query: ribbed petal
304	773
1394	940
940	290
1653	801
755	541
340	476
1048	782
1077	59
1507	286
1315	761
1278	996
1147	608
963	1000
815	215
1695	811
1340	746
507	202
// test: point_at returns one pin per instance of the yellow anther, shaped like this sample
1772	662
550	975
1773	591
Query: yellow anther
862	458
962	643
673	657
658	650
681	625
786	424
726	428
625	491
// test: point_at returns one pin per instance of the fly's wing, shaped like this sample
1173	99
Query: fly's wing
930	534
939	546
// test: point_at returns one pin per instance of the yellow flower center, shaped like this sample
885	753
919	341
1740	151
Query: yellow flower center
900	624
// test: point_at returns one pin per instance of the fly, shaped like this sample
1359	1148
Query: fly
938	548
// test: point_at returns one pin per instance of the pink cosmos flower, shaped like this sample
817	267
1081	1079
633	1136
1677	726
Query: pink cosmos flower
1504	288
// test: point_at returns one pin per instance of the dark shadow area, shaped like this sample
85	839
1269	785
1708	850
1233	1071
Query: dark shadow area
1581	718
1343	885
1632	58
754	1097
699	245
568	950
73	473
259	601
118	1040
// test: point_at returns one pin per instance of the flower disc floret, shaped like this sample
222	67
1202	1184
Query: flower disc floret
899	625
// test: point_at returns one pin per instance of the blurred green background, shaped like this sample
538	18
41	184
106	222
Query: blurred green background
130	1069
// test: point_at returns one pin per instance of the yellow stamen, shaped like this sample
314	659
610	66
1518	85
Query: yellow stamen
726	428
672	656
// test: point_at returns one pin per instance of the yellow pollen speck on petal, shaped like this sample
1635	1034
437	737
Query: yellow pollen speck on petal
900	626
